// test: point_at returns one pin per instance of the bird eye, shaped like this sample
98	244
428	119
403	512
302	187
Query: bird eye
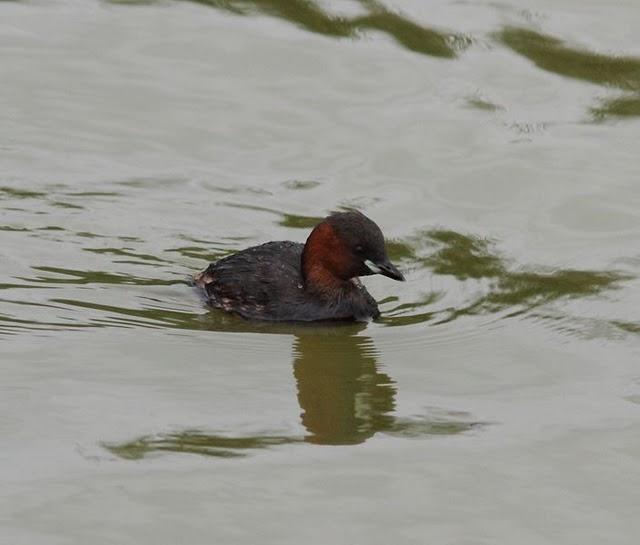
359	249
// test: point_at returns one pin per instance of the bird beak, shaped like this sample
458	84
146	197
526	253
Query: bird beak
386	268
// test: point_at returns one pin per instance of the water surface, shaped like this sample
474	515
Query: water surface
496	399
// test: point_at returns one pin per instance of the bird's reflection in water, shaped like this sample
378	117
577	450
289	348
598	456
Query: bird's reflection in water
344	397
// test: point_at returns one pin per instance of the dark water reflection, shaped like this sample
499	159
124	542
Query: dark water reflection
197	442
312	17
627	106
553	55
506	289
410	35
547	52
78	277
344	397
304	13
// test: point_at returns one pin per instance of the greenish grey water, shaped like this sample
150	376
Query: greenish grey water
496	399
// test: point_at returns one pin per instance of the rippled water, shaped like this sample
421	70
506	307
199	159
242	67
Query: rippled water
496	400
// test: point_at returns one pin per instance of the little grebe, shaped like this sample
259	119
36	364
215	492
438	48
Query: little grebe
289	281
